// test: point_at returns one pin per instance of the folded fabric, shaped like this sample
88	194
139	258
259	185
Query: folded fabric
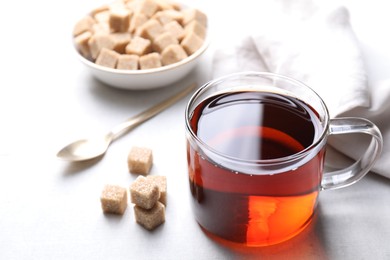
312	41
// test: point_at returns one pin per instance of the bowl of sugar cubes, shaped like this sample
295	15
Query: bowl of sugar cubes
141	44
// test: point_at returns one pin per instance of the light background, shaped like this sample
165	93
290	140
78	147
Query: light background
50	209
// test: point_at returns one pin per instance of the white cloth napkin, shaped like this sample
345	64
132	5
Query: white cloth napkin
312	41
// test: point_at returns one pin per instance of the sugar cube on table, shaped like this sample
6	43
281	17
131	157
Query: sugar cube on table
140	160
114	199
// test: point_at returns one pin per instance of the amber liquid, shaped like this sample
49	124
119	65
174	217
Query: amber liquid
254	209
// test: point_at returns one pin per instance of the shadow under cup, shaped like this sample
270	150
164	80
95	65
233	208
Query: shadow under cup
255	152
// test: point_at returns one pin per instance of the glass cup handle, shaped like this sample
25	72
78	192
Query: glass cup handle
350	175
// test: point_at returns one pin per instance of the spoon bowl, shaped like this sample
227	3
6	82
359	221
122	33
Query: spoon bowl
85	149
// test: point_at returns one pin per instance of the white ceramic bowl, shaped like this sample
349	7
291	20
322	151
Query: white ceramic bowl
145	79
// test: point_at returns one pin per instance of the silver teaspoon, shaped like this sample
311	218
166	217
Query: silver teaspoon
87	149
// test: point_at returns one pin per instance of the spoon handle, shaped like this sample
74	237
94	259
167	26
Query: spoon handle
149	113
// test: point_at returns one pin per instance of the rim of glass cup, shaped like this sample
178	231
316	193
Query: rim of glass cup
317	142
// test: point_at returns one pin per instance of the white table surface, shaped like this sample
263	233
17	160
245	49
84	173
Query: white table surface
50	209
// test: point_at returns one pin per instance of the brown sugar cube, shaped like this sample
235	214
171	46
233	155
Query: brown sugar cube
81	42
191	43
137	20
83	25
191	14
139	46
144	193
197	28
98	42
140	160
167	16
107	58
148	7
127	62
150	30
101	28
150	61
167	5
119	19
172	54
114	199
175	29
120	40
150	219
132	5
161	182
164	40
103	17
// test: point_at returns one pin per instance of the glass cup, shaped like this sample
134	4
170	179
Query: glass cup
256	151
